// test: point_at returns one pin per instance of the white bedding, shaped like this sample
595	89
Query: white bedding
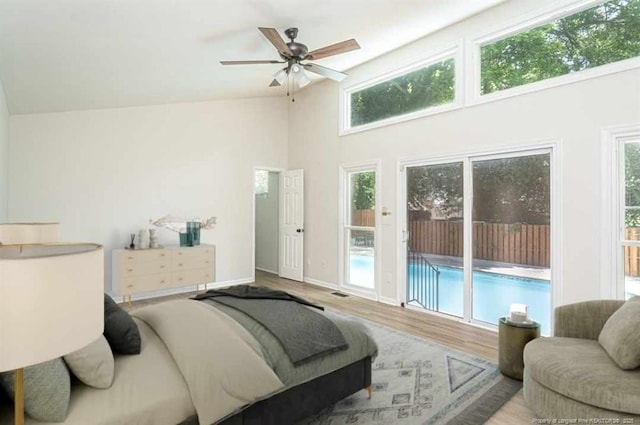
148	389
221	362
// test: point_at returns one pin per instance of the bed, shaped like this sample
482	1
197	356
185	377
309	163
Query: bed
204	362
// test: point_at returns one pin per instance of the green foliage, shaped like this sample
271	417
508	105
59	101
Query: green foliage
511	190
632	183
363	190
429	86
603	34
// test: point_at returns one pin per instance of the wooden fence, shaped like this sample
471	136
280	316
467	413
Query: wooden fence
632	254
525	244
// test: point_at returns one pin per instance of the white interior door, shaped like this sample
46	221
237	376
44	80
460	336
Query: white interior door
292	227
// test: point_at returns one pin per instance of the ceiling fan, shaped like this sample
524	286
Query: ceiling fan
293	53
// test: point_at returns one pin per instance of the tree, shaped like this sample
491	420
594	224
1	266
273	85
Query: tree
632	183
429	86
509	190
363	190
603	34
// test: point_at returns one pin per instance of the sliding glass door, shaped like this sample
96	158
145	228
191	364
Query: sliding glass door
511	236
434	250
479	236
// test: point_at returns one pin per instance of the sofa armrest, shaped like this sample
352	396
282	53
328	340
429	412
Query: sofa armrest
585	319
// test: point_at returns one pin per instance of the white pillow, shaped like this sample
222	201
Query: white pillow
93	364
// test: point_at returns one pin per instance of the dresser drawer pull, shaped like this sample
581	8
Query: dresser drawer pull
162	255
179	279
162	267
179	253
162	281
130	258
179	264
129	270
129	286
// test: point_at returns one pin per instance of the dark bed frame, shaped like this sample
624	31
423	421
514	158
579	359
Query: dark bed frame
307	399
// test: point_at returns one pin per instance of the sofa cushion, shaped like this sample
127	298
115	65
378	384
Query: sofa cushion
580	369
620	335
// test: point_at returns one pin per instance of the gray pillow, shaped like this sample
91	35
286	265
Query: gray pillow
620	335
93	364
121	331
47	388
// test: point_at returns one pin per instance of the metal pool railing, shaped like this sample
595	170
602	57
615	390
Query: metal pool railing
423	281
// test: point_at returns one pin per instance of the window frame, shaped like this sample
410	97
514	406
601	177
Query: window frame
454	53
612	274
473	56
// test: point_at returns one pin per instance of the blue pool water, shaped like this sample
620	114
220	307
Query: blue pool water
492	292
492	295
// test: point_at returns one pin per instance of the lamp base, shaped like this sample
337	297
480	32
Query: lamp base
19	397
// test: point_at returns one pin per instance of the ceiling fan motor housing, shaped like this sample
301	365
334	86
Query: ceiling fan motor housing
298	50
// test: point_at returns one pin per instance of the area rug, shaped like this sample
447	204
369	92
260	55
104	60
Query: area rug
418	382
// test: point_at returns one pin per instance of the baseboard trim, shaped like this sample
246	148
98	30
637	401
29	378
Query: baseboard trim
387	300
266	270
175	291
320	283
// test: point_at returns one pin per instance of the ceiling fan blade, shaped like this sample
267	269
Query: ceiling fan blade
325	72
274	83
274	37
248	62
334	49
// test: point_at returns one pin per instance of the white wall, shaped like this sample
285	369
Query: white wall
4	155
267	225
573	114
104	173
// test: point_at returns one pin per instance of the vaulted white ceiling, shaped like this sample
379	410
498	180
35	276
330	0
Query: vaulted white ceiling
58	55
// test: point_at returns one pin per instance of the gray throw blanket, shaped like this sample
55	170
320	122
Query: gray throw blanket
304	333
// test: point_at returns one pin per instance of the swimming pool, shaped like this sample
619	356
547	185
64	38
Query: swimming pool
493	293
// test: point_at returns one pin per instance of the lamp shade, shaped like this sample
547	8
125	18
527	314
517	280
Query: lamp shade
51	301
15	233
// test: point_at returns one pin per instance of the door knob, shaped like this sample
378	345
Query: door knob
300	230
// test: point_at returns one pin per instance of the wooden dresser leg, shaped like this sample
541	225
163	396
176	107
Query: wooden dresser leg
369	390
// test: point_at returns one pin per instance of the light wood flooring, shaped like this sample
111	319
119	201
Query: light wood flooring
461	336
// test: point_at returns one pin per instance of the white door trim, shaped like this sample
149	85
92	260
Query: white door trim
253	214
344	170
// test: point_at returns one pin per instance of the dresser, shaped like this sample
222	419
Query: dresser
146	270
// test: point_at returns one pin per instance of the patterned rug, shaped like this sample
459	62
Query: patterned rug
420	382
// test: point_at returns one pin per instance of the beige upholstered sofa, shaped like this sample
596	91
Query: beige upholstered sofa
570	375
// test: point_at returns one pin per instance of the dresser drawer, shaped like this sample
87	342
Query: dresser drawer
194	252
184	263
151	282
191	277
141	268
133	256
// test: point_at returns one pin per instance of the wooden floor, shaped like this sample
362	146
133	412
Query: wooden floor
461	336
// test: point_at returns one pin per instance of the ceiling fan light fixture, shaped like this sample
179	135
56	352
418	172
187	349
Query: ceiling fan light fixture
280	76
300	76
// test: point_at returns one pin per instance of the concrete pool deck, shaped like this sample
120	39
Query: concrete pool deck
509	269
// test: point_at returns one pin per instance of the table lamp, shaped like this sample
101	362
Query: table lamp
51	304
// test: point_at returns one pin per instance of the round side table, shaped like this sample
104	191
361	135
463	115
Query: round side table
512	337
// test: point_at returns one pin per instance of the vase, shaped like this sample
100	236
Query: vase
143	239
186	239
193	227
